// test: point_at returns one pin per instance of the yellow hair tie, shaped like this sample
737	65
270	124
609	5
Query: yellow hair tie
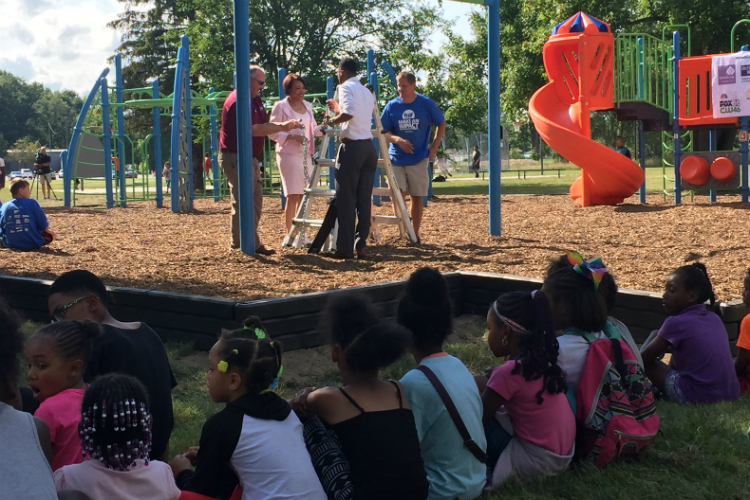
235	351
223	366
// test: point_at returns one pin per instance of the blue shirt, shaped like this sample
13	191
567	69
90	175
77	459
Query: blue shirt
412	122
21	224
452	471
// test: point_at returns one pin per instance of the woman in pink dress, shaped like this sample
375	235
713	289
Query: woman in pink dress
289	154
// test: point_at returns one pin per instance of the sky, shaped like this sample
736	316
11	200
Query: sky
65	44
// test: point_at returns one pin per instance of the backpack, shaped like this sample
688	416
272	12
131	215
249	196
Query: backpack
616	414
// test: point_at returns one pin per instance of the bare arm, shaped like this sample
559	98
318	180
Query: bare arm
439	132
654	350
491	402
264	129
43	434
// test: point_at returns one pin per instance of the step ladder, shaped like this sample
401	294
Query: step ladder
302	221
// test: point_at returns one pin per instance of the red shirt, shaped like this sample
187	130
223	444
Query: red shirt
228	135
207	165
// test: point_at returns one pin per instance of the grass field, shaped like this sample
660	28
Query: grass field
701	452
459	184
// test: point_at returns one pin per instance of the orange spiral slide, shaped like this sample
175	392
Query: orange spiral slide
578	58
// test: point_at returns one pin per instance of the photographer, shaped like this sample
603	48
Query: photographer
42	163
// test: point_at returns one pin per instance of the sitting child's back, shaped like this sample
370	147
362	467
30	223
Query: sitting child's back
700	354
116	438
22	219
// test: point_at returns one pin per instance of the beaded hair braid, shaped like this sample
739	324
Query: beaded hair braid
115	425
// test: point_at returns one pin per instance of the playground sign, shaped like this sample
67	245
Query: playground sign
730	85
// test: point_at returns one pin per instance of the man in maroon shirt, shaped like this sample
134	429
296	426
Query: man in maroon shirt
228	151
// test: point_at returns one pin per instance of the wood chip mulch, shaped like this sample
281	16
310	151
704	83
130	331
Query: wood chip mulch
148	248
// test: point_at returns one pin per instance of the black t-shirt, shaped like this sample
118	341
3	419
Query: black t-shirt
40	159
139	353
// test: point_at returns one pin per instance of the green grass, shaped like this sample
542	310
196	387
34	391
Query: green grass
701	452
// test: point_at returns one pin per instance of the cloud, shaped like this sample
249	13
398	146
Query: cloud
21	67
21	34
35	7
70	33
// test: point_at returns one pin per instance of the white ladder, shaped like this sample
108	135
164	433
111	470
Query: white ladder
303	220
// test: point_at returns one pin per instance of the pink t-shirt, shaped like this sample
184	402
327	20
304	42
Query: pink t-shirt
551	425
154	481
61	413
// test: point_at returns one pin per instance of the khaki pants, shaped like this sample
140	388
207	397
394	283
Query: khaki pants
228	163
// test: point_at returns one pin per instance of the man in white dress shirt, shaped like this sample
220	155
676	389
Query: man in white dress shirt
356	161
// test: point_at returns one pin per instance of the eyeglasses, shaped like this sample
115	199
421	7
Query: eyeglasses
262	83
59	313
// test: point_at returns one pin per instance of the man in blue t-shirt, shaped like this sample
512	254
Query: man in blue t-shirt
407	121
23	225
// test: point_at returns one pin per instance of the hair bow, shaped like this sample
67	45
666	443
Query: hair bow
593	268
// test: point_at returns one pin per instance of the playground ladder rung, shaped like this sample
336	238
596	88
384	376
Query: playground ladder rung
308	222
320	192
387	219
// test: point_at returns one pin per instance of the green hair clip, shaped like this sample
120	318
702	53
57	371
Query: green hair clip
223	366
259	333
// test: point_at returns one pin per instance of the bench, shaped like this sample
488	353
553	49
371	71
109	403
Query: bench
528	170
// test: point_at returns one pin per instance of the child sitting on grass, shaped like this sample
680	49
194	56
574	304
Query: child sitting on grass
452	471
56	356
575	303
24	440
130	348
23	225
256	441
370	417
741	364
528	420
116	434
701	369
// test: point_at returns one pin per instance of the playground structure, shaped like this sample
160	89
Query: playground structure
641	78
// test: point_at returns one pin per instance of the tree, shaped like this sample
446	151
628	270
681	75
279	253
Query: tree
24	151
17	99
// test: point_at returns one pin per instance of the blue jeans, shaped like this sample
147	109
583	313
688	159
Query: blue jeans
497	440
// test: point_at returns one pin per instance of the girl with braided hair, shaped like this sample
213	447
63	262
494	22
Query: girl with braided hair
528	421
115	432
56	357
256	441
701	369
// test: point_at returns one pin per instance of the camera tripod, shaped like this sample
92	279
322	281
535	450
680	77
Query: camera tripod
35	181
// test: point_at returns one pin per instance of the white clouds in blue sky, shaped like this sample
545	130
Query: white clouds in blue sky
59	43
65	44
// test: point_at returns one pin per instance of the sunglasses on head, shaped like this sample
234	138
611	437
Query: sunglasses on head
262	83
59	313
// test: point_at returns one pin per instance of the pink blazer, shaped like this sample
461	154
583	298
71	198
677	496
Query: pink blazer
281	112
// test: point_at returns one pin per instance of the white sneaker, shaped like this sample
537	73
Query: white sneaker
285	242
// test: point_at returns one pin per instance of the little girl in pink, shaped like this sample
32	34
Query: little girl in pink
116	434
56	356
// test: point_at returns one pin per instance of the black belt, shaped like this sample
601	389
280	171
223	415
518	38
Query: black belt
355	140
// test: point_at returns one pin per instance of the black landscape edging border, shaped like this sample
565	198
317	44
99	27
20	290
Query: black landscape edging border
294	320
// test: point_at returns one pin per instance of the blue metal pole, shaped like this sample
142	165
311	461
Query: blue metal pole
174	171
330	90
373	77
120	128
188	116
676	115
156	111
370	62
107	144
244	126
642	159
389	71
493	111
214	149
430	170
281	75
73	148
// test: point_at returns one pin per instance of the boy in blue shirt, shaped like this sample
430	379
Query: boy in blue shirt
407	121
23	225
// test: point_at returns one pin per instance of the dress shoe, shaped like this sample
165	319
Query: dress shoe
261	250
361	253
